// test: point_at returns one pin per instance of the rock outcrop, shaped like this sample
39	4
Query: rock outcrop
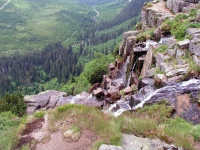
50	99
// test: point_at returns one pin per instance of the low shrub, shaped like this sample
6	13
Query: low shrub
176	26
39	114
161	49
193	13
138	26
147	35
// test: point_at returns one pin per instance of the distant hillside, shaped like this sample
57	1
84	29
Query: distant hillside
30	25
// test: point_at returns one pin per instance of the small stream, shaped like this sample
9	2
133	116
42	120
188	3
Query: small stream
95	17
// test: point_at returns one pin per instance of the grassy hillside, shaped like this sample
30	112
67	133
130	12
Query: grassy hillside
30	25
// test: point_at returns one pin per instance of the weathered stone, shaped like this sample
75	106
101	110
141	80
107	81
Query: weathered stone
130	42
175	78
115	96
145	82
160	80
150	72
166	67
162	19
98	92
171	42
148	18
196	60
184	44
147	62
176	72
54	99
41	100
96	85
127	34
159	59
108	100
194	46
111	67
181	62
180	53
157	33
131	142
198	17
171	52
128	90
170	4
121	50
177	5
110	147
72	135
192	31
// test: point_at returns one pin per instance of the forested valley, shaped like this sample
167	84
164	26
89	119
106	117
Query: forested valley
51	68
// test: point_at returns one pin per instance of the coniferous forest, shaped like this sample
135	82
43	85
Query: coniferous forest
57	63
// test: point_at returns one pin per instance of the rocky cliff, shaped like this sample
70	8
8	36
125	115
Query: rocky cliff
153	66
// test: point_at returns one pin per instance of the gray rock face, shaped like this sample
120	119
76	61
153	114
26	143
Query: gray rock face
130	42
147	62
184	44
157	33
179	53
177	5
171	52
176	72
160	80
196	60
110	147
159	59
198	17
43	99
193	31
150	72
152	18
194	46
131	142
127	34
50	99
165	67
128	90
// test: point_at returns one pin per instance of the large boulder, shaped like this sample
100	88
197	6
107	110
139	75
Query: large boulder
128	90
47	99
99	92
184	44
160	80
131	142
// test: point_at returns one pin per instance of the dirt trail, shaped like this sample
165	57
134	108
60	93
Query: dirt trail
59	142
4	5
160	6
